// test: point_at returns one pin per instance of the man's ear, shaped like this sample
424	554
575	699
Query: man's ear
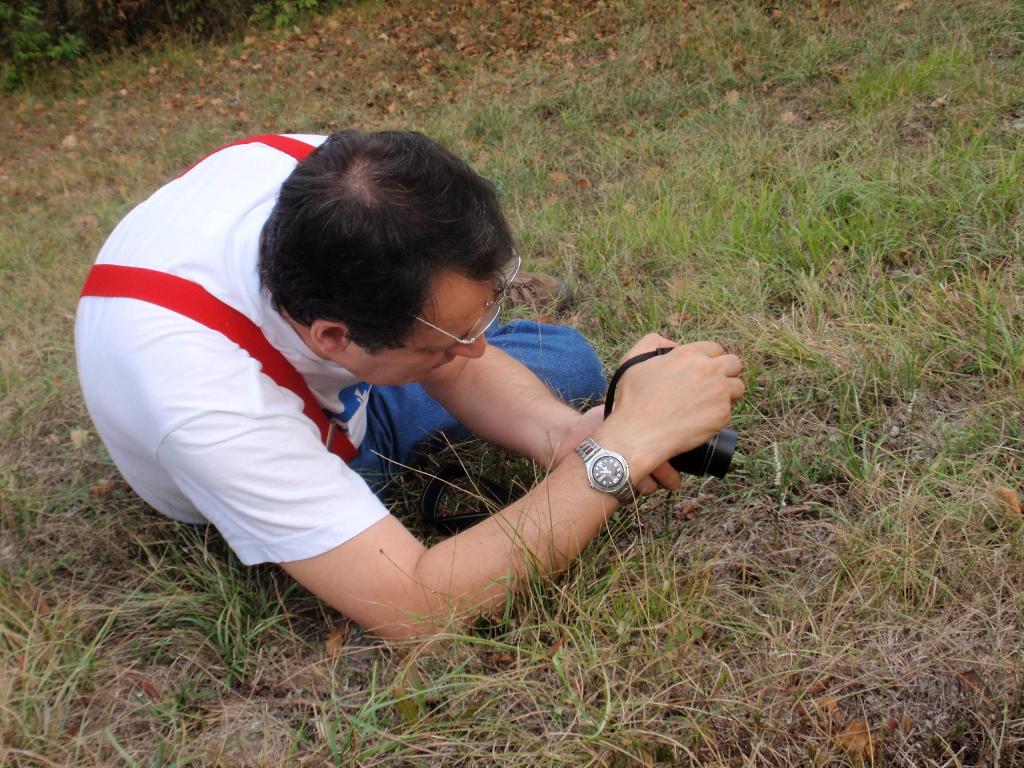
329	338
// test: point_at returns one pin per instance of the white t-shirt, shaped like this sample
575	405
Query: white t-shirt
193	424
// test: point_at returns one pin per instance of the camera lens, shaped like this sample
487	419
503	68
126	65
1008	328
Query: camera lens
711	458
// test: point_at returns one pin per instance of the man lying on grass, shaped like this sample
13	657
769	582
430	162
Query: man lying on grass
361	276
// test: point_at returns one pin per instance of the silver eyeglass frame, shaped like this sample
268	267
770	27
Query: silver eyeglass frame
500	294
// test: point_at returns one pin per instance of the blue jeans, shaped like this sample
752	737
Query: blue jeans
404	422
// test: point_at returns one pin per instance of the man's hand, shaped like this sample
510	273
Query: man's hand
648	343
671	403
695	359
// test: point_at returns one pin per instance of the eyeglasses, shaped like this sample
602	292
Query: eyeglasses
493	307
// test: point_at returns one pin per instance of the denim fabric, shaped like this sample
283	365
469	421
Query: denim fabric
404	422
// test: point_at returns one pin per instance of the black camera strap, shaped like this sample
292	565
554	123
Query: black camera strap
609	399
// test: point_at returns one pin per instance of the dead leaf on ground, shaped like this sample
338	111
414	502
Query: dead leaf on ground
144	684
972	681
686	510
500	659
337	638
819	685
405	705
905	5
823	712
940	102
103	488
558	177
79	437
582	183
788	117
731	97
555	647
1009	499
903	725
857	741
69	142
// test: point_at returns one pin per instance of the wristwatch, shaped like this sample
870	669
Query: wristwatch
607	471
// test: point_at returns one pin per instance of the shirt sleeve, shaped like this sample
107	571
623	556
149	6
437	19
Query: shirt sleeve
268	485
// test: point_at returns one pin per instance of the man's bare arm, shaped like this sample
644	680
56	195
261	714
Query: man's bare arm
388	582
501	401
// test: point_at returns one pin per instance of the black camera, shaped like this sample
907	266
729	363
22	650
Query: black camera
711	458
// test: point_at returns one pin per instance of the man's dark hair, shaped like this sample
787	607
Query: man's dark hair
365	224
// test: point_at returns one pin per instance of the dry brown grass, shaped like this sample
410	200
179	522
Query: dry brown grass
851	596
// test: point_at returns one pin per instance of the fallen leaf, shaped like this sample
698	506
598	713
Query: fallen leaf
940	102
856	739
79	437
824	712
972	681
144	684
819	685
496	659
73	728
407	701
555	647
102	488
1009	499
906	5
558	177
70	141
405	706
686	510
582	184
788	117
337	638
731	97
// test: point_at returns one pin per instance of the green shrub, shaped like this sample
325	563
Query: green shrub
37	33
26	39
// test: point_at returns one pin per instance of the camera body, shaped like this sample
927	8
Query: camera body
711	458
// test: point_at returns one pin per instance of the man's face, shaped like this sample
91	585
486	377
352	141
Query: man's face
456	306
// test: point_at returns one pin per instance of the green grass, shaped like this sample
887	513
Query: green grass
833	191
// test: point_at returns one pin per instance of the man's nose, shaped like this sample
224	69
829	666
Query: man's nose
476	349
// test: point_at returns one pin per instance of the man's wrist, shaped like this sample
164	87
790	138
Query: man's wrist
562	436
607	471
617	437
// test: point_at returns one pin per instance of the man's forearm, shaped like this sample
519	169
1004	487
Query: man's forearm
542	533
501	400
387	581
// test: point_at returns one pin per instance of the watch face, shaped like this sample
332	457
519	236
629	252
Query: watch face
608	472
